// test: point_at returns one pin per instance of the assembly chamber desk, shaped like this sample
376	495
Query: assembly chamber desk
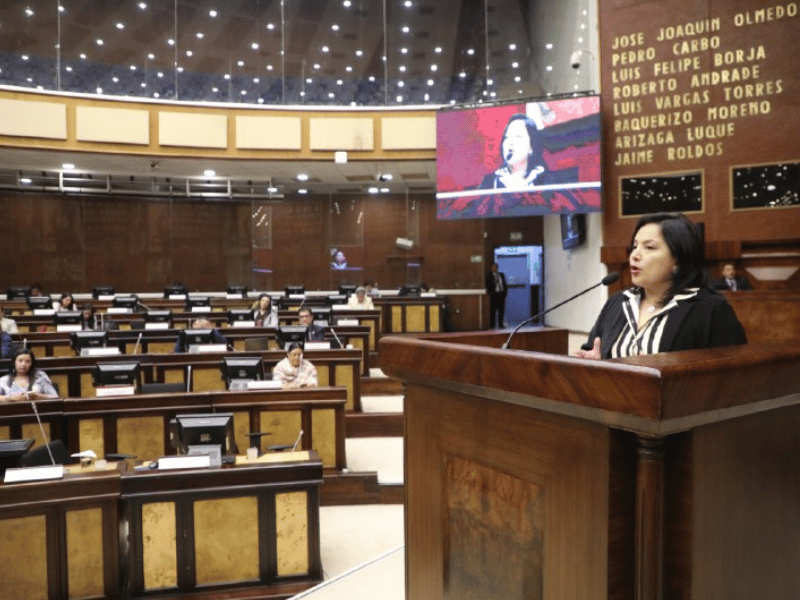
250	530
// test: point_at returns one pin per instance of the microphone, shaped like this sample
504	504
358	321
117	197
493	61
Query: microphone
189	378
338	341
607	280
136	347
44	435
297	441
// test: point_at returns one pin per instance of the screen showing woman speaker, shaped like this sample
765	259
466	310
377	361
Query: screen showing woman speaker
514	160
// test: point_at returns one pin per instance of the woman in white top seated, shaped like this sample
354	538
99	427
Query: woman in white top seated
294	371
263	313
25	382
360	300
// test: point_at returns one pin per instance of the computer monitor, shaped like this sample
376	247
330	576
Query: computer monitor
347	289
39	302
239	290
158	316
409	290
250	368
337	299
212	429
175	290
116	374
239	314
295	290
17	293
88	339
131	302
197	302
195	337
321	316
103	290
291	333
67	317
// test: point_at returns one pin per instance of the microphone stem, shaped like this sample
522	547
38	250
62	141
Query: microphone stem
543	313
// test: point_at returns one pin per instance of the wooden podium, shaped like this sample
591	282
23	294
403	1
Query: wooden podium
533	475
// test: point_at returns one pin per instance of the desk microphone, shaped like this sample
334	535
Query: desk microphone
338	341
189	378
297	441
136	347
44	435
144	306
607	280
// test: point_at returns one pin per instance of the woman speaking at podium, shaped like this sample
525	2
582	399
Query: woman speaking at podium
670	306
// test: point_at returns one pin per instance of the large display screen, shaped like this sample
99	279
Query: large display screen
515	160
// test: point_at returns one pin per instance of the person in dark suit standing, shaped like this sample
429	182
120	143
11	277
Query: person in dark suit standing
497	289
730	281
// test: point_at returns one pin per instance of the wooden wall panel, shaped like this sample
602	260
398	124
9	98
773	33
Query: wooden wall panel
658	110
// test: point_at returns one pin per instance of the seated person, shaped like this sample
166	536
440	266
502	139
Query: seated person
88	318
66	302
294	371
730	280
216	336
264	314
35	290
6	345
316	333
25	382
7	324
372	289
360	300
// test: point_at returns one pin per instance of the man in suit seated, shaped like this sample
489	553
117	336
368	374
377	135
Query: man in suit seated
316	333
730	281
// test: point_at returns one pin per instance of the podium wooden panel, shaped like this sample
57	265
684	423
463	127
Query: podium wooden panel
532	475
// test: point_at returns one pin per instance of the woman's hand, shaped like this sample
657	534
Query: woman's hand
593	353
14	398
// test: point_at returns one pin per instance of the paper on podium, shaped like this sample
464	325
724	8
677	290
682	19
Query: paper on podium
34	474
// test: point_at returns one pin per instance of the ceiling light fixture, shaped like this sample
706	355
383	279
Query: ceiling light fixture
302	177
212	13
209	173
68	166
120	26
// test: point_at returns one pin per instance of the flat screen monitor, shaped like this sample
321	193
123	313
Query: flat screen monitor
347	289
292	333
573	230
194	337
212	429
519	159
38	302
295	290
239	314
250	368
239	290
88	339
175	290
131	302
67	317
17	293
158	316
337	299
198	301
116	374
409	290
321	316
103	290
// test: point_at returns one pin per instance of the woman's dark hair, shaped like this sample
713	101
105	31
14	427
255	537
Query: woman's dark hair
264	295
292	345
535	157
68	295
686	246
19	351
90	321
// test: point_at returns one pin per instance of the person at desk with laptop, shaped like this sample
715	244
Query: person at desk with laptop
25	382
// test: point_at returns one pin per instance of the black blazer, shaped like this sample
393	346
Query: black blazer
702	321
741	284
489	283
